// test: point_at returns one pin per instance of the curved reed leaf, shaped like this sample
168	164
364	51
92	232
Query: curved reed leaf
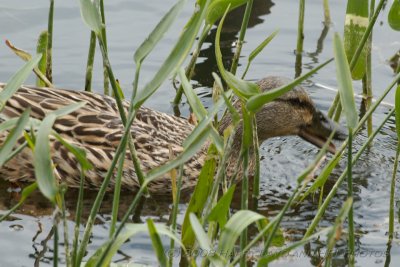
394	15
258	50
130	231
42	155
192	98
336	231
157	244
201	235
78	152
90	13
257	101
42	160
175	58
206	118
26	192
17	79
264	261
41	48
356	24
24	55
189	151
234	227
218	7
199	197
397	109
220	212
158	32
345	83
13	136
205	242
242	89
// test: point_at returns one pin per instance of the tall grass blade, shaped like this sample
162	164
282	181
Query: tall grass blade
199	197
395	166
242	88
90	13
13	136
336	231
79	153
42	160
257	101
41	48
264	261
24	55
157	244
217	8
205	242
49	47
345	83
175	58
258	50
158	32
90	60
16	80
220	212
26	192
194	101
130	230
356	23
394	15
234	227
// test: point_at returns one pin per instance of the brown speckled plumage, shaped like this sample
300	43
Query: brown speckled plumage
97	128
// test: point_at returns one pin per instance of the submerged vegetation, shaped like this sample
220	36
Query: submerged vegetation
225	235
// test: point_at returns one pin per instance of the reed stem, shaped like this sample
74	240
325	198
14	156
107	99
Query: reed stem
90	60
49	64
190	68
242	34
392	193
106	74
350	195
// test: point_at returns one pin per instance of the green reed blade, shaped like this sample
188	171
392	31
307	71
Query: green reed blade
9	143
356	24
217	9
264	261
15	82
242	88
234	227
41	48
175	58
258	50
199	197
205	242
158	32
90	13
49	53
26	192
335	233
42	160
156	242
345	83
394	15
257	101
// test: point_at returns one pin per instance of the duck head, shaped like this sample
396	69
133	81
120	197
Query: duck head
294	113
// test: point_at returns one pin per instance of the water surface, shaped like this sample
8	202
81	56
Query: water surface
25	239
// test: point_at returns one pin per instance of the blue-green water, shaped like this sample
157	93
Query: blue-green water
23	239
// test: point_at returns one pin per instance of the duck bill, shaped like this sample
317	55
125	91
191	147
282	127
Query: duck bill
317	140
320	129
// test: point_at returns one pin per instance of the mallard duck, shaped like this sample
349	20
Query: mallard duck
97	128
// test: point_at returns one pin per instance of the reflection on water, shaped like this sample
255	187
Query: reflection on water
26	239
207	62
